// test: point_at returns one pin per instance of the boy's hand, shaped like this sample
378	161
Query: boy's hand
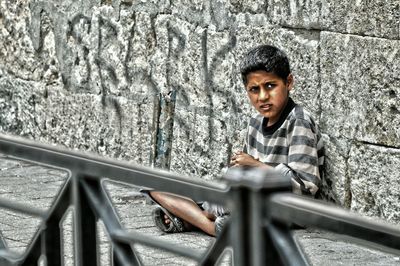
243	159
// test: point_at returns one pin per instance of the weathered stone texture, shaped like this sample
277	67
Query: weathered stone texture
361	88
79	121
336	186
16	49
374	181
19	104
372	18
114	127
157	82
296	14
252	7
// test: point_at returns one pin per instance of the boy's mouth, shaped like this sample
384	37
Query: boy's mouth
265	107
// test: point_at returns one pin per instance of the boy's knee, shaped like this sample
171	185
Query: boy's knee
164	199
155	194
158	196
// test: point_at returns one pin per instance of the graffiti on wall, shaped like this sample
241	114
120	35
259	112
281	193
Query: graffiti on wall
114	51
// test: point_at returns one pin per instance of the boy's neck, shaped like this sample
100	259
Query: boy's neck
270	129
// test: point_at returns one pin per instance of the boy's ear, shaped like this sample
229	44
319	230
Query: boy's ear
289	82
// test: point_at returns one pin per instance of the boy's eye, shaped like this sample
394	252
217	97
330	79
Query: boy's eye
253	89
269	85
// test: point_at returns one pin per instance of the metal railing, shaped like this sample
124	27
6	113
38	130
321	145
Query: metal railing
258	231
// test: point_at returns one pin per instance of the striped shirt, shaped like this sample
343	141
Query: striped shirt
293	146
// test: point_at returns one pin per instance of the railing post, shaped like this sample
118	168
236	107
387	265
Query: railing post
85	226
240	237
2	242
3	247
51	241
122	253
250	241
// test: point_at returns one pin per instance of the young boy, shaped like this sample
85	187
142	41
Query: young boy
282	135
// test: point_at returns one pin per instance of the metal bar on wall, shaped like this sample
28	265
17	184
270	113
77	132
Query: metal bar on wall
214	253
54	215
289	208
283	242
85	224
258	229
134	237
29	210
52	243
98	167
239	233
7	257
103	209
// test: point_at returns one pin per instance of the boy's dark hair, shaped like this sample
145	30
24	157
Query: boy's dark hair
267	58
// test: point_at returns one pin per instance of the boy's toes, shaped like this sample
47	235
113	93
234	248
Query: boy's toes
166	219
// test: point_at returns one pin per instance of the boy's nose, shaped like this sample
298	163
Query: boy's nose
263	95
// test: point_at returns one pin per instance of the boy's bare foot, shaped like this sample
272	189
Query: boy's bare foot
187	225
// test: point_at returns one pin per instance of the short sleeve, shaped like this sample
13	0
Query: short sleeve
302	164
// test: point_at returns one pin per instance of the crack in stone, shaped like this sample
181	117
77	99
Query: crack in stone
378	145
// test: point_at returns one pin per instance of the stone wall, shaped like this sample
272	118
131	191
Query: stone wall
156	82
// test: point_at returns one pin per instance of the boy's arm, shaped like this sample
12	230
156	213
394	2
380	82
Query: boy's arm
241	158
303	165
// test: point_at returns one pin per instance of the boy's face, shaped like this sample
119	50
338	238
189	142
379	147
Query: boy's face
268	93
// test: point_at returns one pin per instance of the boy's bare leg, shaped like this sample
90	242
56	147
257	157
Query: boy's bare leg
185	209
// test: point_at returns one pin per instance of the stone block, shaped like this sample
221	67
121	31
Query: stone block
204	141
21	106
151	7
90	49
192	11
17	53
205	14
251	7
360	88
372	18
374	173
224	86
95	52
140	45
335	185
177	63
116	127
296	14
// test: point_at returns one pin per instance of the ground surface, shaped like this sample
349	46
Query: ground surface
37	186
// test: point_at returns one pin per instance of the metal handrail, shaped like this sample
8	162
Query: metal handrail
100	167
258	231
296	209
